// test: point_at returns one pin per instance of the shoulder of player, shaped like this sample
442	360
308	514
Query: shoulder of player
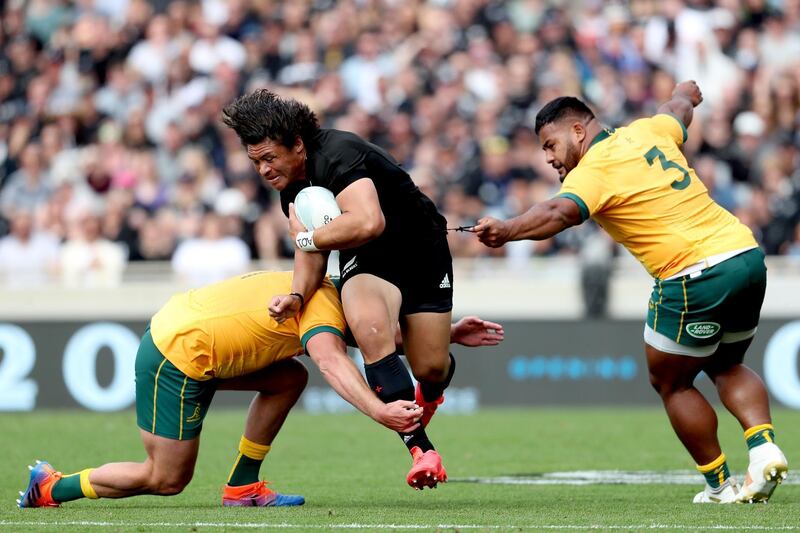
615	143
332	142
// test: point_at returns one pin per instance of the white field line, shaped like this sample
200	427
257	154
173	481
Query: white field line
285	525
602	477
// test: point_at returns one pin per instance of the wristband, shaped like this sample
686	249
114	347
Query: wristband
302	299
305	241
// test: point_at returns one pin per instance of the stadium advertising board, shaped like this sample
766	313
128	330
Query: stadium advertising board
91	365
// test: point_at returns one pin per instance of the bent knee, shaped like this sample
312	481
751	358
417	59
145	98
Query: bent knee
668	385
429	371
374	338
169	485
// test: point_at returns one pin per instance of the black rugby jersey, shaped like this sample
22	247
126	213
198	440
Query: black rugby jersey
337	159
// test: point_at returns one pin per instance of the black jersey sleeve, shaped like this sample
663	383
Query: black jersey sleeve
346	162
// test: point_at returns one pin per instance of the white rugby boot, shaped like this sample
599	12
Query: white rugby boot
768	468
728	492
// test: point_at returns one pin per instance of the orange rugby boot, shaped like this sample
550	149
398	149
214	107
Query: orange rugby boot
427	470
257	495
40	486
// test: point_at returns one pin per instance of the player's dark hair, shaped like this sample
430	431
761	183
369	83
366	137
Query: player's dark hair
263	115
561	107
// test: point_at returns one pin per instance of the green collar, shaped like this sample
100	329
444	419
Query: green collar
603	135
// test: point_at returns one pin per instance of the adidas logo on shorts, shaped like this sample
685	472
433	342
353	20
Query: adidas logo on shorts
445	284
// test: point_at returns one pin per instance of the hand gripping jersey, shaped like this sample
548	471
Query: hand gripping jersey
224	330
636	183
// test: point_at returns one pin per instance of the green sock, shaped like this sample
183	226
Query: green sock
716	472
68	488
245	471
758	435
248	463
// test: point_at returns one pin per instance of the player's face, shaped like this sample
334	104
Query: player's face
276	164
560	147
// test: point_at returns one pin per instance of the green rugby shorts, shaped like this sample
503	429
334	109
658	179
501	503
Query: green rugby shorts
692	314
168	402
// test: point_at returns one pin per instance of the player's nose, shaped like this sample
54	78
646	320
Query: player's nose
264	169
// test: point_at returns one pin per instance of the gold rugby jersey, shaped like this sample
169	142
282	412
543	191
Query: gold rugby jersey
635	182
224	330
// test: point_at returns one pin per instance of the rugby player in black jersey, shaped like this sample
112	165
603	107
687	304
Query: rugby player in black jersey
394	259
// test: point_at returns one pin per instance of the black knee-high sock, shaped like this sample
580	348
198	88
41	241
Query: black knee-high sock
389	379
430	390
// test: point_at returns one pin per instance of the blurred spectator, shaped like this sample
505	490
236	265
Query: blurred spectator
118	102
212	256
27	257
214	48
777	36
156	237
150	58
87	258
28	187
749	129
362	72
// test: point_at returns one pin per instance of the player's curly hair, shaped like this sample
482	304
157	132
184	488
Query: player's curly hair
263	115
562	107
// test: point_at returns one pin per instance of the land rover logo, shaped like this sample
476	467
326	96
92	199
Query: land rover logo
702	330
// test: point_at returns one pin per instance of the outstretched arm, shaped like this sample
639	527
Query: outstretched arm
328	353
685	98
474	331
469	331
541	221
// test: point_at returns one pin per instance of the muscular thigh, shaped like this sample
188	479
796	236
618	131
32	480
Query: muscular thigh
419	266
371	306
426	340
172	459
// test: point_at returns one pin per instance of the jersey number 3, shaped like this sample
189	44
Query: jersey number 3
654	153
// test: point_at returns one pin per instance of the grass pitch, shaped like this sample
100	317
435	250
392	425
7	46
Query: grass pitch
352	473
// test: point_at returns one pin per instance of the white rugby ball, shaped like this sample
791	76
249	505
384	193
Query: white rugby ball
315	207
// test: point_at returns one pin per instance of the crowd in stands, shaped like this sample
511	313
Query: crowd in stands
112	149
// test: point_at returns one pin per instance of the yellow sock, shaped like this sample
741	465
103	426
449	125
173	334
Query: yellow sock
716	472
86	487
758	435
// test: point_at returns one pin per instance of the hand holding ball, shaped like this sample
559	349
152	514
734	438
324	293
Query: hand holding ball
314	207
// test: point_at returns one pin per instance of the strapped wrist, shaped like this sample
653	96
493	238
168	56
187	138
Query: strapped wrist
300	296
305	241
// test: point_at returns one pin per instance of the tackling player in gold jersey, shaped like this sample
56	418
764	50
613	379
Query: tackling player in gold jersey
709	272
221	337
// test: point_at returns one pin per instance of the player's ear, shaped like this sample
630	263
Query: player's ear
298	145
579	131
